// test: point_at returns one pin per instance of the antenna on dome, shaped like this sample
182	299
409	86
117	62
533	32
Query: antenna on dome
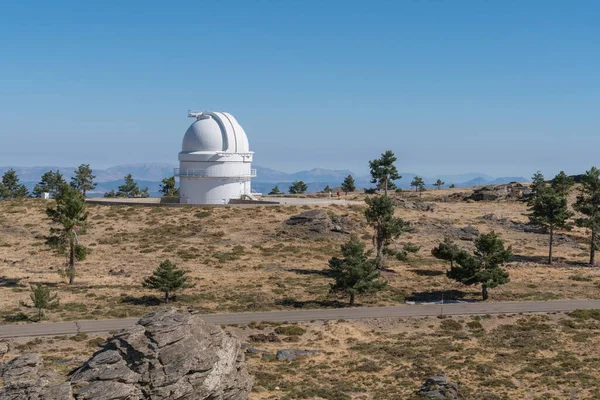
194	114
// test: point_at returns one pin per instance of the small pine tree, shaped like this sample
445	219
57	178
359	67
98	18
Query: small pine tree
69	216
548	208
447	250
110	194
275	190
588	204
380	216
356	273
439	183
10	187
484	266
167	278
562	183
42	299
418	184
83	179
452	186
50	183
384	172
327	189
168	187
129	188
348	185
298	187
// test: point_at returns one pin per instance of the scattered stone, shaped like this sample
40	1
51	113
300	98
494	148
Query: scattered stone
291	355
445	228
438	387
469	233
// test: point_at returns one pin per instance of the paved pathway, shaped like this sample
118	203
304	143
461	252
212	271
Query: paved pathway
508	307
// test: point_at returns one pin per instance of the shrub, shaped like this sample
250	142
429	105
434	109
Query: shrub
450	325
290	330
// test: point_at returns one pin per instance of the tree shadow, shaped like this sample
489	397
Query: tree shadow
308	304
18	317
10	282
427	272
322	272
436	295
142	301
538	259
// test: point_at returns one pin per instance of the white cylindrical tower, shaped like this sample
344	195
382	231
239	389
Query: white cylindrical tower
215	160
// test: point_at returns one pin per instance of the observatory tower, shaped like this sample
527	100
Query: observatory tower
215	160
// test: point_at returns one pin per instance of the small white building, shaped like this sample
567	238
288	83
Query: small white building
215	160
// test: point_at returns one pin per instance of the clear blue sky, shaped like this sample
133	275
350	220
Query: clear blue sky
503	87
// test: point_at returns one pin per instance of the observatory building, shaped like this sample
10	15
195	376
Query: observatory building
215	160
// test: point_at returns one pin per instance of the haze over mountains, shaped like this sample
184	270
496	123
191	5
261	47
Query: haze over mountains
150	174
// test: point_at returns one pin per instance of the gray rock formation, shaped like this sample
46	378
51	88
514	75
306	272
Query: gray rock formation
414	205
168	355
510	191
438	387
291	355
320	222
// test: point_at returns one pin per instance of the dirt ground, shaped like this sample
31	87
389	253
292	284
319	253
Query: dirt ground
554	356
247	259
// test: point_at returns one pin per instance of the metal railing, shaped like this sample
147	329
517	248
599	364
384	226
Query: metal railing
207	173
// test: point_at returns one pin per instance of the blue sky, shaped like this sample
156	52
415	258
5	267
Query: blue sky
504	87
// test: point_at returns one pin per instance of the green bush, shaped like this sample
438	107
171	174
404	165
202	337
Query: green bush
451	325
290	330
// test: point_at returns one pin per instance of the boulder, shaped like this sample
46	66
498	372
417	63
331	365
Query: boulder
414	205
510	191
169	354
319	221
291	355
438	387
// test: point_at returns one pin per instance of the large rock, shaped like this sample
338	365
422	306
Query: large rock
438	387
169	354
319	221
510	191
414	205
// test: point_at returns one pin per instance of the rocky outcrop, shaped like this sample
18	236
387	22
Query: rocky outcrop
167	355
510	191
414	205
445	228
319	221
438	387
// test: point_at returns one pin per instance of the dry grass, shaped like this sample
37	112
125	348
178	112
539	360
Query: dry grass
245	259
493	357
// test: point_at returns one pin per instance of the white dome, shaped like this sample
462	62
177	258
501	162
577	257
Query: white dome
215	132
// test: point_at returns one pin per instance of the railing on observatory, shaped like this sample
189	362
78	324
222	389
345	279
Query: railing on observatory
211	173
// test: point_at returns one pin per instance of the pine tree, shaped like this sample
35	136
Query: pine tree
348	185
129	188
484	266
447	250
167	278
10	187
380	216
452	186
538	183
384	172
298	187
168	187
42	299
83	179
69	216
548	209
356	273
588	204
275	190
418	184
327	189
563	183
50	183
439	183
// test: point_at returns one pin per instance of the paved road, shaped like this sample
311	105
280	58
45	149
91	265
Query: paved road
508	307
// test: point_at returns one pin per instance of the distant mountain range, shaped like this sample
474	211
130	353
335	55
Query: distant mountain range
151	174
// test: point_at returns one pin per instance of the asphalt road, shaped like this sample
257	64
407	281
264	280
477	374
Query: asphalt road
508	307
